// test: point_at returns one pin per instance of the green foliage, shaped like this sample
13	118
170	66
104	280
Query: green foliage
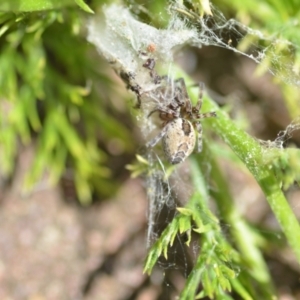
219	268
279	22
214	266
286	165
139	168
48	90
17	6
273	168
237	264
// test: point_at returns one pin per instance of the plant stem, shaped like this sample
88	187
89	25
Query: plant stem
251	154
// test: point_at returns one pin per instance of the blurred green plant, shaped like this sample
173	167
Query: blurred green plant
49	93
279	22
18	6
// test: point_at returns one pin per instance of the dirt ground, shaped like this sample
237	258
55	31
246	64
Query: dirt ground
54	250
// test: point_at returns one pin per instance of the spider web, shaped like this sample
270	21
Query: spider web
126	43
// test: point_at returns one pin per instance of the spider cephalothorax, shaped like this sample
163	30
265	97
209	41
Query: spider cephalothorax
181	119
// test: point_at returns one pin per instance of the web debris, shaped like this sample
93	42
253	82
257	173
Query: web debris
126	43
283	136
237	37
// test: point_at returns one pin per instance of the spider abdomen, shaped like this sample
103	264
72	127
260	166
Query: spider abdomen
179	140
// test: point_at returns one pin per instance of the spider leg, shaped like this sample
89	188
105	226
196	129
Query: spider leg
156	139
198	106
199	103
153	111
207	115
199	137
181	95
167	111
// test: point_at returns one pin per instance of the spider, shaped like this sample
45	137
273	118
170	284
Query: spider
180	121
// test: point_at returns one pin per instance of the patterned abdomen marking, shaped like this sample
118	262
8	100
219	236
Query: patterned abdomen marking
179	140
